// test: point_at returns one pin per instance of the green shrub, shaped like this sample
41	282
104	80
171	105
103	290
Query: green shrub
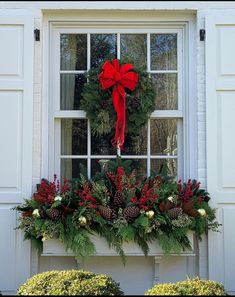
70	282
195	287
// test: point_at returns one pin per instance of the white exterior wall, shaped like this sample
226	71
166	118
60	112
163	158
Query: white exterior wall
172	268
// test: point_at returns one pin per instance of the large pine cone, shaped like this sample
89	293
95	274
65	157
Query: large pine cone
53	213
175	212
130	213
105	212
118	199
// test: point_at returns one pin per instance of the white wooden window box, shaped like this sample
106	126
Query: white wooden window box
54	247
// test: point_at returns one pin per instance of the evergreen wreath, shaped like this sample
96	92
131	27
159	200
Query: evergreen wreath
100	110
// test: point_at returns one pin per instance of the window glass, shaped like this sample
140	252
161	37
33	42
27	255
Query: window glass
157	145
73	51
134	49
163	49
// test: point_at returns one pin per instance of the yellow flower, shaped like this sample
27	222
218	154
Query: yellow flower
58	198
36	213
171	199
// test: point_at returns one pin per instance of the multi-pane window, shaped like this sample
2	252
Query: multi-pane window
157	51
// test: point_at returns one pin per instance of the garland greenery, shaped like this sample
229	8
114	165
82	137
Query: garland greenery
120	207
99	107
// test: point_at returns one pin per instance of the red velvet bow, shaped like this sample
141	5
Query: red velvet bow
119	78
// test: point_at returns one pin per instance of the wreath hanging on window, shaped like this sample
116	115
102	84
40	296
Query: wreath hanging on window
118	99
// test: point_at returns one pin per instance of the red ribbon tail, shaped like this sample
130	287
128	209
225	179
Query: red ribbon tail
119	102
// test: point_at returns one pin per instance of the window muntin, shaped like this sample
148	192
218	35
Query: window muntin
160	52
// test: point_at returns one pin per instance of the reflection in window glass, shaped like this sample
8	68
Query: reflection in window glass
74	131
71	168
98	165
163	137
103	47
71	86
102	145
73	137
140	165
134	49
166	91
163	50
164	166
73	51
136	145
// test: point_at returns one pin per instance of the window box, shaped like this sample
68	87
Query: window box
54	247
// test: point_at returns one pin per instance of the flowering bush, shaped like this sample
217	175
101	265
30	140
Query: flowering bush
192	287
70	283
120	207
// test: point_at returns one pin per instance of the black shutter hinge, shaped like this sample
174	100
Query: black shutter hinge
37	34
202	34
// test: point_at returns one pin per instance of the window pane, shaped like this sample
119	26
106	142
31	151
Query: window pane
71	86
97	165
163	51
139	164
73	51
102	146
164	166
136	145
73	137
134	49
71	168
103	46
166	90
163	137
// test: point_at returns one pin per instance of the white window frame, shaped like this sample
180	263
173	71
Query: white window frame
187	156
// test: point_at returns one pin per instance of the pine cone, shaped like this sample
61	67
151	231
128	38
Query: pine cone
175	212
105	212
130	213
42	213
118	199
53	213
135	102
27	213
114	214
166	205
188	208
104	104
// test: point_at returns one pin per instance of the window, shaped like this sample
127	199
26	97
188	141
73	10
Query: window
158	50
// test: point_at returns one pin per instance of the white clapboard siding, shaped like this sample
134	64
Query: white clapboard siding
16	111
220	110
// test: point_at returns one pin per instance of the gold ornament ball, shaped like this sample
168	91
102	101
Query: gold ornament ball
82	221
202	212
150	214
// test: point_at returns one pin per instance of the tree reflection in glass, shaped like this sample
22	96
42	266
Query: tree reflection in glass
133	48
103	47
163	137
163	50
73	51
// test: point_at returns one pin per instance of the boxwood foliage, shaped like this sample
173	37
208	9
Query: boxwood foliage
193	287
70	282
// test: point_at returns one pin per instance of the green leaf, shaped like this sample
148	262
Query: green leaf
56	204
127	233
